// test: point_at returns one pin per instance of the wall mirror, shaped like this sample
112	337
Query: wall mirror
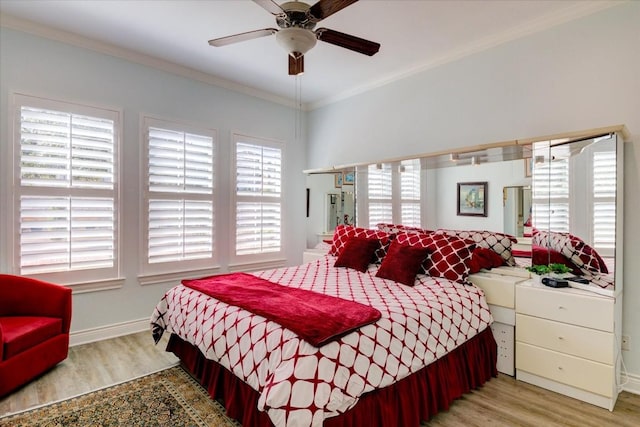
576	188
331	202
541	182
516	202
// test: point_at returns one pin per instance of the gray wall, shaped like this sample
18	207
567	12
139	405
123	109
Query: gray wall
580	75
51	69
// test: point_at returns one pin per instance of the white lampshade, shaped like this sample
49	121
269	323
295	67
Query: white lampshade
296	41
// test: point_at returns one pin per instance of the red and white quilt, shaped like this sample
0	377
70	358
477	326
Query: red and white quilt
301	385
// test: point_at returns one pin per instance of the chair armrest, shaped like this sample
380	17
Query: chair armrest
24	296
1	344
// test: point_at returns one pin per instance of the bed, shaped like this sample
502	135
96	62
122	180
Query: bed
431	344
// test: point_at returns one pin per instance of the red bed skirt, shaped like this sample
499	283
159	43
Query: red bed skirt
405	403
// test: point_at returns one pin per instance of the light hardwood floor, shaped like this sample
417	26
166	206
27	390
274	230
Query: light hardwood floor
503	401
90	367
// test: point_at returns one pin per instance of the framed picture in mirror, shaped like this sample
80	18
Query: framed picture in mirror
349	178
472	198
337	178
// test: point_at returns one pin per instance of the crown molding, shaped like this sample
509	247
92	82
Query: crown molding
26	26
568	14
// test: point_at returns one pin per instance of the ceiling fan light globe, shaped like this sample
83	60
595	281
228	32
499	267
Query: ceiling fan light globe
296	40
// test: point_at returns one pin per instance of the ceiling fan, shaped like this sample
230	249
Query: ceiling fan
297	21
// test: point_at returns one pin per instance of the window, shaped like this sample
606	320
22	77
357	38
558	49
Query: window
179	196
392	193
410	192
589	175
380	194
67	190
551	189
604	201
258	198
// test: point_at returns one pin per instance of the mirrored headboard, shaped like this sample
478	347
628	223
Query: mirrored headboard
515	176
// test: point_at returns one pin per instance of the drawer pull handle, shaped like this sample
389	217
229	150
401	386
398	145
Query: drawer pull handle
560	368
560	307
561	338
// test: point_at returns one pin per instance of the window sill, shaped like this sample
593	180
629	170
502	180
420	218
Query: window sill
96	285
257	265
153	279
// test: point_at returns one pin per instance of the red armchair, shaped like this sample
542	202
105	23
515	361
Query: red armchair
35	317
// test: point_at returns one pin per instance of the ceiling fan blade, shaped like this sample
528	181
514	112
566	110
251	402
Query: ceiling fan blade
296	65
325	8
270	6
236	38
347	41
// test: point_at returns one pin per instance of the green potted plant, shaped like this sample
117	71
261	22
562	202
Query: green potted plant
552	270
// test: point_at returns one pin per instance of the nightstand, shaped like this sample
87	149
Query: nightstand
568	341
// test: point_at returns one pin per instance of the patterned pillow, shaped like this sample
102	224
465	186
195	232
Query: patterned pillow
449	256
344	232
397	228
572	247
498	242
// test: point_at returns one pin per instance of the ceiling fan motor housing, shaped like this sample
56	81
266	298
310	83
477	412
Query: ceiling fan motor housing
296	14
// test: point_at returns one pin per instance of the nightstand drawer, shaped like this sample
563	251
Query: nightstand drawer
498	290
576	372
564	306
574	340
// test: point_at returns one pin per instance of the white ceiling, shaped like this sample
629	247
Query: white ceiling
415	35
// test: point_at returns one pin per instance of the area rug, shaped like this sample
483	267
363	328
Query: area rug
167	398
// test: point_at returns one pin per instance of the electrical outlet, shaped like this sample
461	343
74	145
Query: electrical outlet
625	342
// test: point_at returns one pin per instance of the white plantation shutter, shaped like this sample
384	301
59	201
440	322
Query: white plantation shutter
380	191
258	222
410	193
180	215
64	233
67	209
551	194
604	201
393	193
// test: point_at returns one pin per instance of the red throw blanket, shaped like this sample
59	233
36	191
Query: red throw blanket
315	317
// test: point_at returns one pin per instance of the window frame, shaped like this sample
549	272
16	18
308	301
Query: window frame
267	259
157	272
79	279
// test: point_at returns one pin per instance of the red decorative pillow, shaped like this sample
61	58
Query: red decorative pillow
344	232
544	256
357	253
485	258
402	263
448	255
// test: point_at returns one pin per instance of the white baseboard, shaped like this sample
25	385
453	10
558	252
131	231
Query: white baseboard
111	331
633	384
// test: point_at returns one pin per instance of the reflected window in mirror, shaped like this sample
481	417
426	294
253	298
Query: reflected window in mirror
390	193
574	190
574	202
